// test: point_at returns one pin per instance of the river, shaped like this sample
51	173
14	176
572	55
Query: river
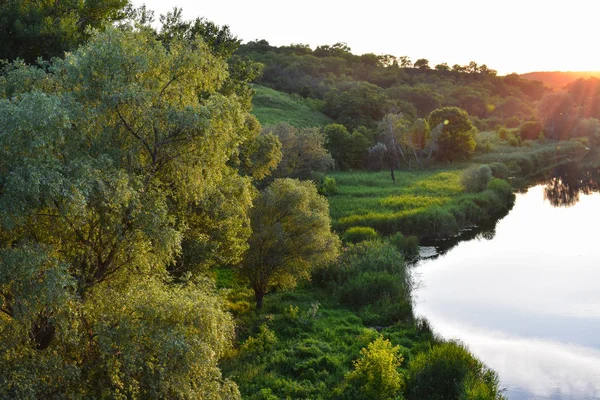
525	296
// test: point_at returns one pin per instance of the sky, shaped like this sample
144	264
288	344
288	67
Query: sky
508	36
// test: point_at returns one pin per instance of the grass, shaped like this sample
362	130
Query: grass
303	343
271	107
427	203
531	157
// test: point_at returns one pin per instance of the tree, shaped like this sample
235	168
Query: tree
558	114
357	104
303	151
30	28
291	234
405	141
102	157
422	63
457	138
338	143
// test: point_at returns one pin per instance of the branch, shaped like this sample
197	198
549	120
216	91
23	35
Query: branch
134	133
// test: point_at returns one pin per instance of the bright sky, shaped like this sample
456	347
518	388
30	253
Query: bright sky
509	36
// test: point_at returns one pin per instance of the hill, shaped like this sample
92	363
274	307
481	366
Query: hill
271	107
558	79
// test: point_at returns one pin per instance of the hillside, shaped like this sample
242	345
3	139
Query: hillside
558	79
271	106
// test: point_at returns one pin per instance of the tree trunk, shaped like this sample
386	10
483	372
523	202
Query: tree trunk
392	173
259	295
42	332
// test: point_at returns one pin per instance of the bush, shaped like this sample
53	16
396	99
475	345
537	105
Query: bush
370	256
449	371
502	133
499	170
372	287
475	179
513	139
407	245
375	374
326	185
358	234
530	130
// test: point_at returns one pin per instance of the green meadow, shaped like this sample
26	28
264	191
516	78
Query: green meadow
425	203
271	106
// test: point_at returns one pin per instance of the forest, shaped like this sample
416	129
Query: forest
184	216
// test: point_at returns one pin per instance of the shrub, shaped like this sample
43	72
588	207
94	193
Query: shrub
369	256
499	170
372	287
475	179
530	130
502	133
375	374
327	187
358	234
449	371
407	245
513	139
261	344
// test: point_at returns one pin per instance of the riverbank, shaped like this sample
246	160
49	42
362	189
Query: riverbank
432	203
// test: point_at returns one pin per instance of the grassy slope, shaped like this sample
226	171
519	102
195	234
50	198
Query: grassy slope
271	107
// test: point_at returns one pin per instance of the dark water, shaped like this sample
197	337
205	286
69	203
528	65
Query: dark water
525	295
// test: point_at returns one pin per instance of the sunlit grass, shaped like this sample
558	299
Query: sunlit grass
271	107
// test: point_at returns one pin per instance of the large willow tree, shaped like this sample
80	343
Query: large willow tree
109	160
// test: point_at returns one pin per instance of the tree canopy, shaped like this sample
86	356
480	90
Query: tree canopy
291	234
109	160
32	28
457	138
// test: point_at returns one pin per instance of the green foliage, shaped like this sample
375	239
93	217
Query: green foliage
359	104
499	170
357	234
303	151
371	278
290	235
273	107
449	371
111	164
260	345
425	203
503	133
530	130
407	245
32	29
375	374
327	187
457	139
476	178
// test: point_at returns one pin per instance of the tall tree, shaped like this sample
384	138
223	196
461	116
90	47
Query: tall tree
102	156
33	28
291	234
457	138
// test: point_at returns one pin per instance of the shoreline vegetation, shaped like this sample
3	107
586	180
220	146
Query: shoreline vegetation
186	216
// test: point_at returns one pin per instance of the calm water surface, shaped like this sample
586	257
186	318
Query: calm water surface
525	297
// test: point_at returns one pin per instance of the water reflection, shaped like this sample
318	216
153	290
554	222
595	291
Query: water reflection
523	293
568	181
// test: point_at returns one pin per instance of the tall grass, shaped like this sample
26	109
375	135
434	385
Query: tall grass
428	204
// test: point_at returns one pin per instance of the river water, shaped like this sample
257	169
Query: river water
525	296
